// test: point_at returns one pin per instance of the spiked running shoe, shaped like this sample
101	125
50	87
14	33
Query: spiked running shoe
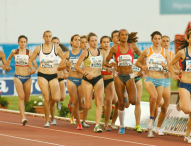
106	128
187	138
47	124
98	129
79	127
84	124
121	130
53	122
24	121
113	126
72	121
159	131
138	129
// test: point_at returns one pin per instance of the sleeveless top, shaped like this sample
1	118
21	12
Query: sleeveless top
21	60
186	62
1	63
47	60
104	72
94	61
74	58
124	59
154	60
134	67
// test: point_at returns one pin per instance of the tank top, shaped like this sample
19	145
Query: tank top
57	61
104	72
47	60
21	60
1	63
154	60
94	61
186	63
166	60
74	58
134	67
124	59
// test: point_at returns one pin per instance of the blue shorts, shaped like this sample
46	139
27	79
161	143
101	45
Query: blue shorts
156	82
23	79
185	85
76	81
166	82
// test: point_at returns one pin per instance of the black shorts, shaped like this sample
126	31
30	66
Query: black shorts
48	77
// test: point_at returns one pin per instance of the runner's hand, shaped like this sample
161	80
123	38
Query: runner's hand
89	77
108	70
33	71
144	67
175	77
68	64
163	65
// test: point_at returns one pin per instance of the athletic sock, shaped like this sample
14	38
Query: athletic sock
121	117
152	118
97	125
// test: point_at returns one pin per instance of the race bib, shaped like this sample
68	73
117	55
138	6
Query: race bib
96	61
166	67
188	66
57	61
47	63
21	60
134	67
154	64
124	60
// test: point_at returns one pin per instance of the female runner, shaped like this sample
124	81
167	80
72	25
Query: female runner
47	71
124	59
154	82
22	77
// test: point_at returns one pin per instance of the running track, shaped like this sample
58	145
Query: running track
13	133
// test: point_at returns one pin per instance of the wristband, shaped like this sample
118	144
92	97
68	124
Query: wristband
86	74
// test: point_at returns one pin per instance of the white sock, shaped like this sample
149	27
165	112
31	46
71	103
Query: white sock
97	124
121	117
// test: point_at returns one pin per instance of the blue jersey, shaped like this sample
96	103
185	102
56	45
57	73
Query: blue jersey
74	58
186	63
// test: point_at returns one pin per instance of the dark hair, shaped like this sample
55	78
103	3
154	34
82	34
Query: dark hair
166	36
90	35
22	36
64	48
105	37
46	32
115	31
83	36
72	38
182	42
55	38
132	37
156	33
188	31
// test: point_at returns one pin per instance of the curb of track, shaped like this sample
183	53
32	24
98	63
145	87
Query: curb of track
68	119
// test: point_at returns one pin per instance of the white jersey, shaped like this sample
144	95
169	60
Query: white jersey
47	60
154	60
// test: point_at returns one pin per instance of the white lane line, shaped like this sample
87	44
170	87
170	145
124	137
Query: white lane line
79	134
31	140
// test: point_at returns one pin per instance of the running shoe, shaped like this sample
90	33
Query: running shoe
98	129
113	126
47	124
24	121
178	106
138	128
159	131
53	122
59	106
84	124
79	127
187	138
72	121
150	133
106	128
121	130
150	128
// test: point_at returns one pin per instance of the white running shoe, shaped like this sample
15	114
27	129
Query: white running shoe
178	106
24	121
84	124
113	126
53	122
47	124
150	133
187	138
159	131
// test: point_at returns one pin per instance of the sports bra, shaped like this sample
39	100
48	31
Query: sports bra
124	59
94	61
154	60
21	60
47	60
